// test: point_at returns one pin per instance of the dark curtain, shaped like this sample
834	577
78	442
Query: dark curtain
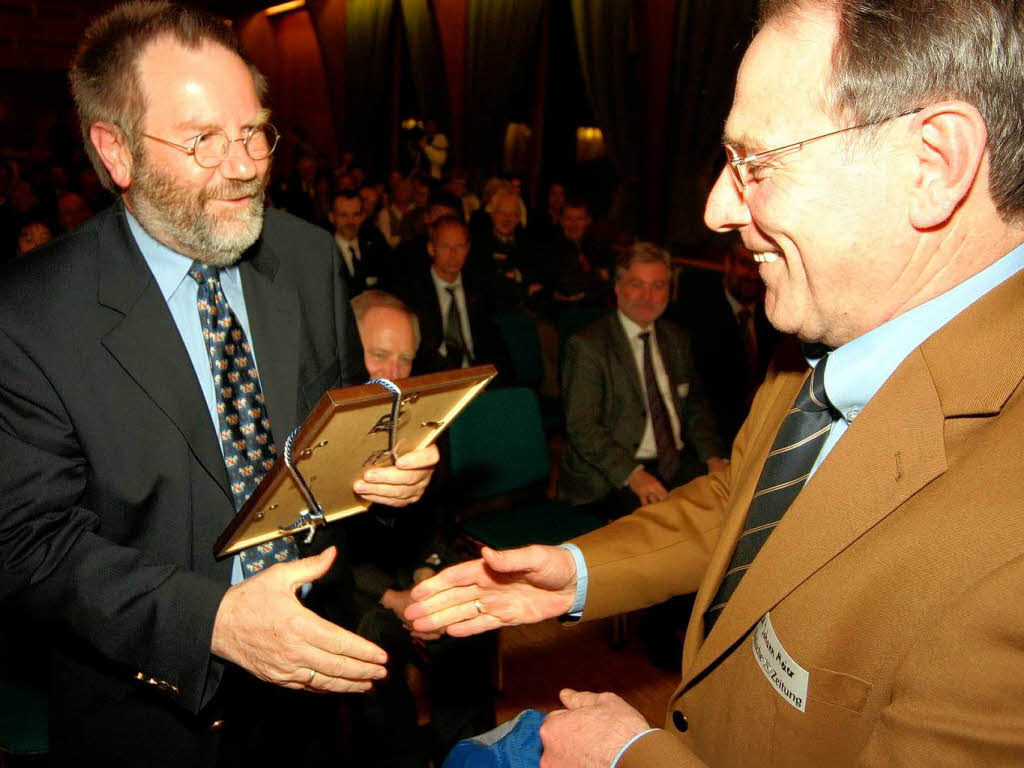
606	37
328	17
368	79
426	61
710	41
501	59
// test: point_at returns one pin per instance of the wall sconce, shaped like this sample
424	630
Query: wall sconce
589	144
292	5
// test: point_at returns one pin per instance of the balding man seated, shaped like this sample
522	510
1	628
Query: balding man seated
389	554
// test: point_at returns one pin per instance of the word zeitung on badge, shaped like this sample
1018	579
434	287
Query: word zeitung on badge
789	679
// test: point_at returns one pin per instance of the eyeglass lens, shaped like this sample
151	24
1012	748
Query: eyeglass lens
211	148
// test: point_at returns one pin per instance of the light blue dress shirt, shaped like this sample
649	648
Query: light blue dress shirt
859	368
181	292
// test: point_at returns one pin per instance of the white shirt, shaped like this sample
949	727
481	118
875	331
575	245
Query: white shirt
349	252
444	299
648	449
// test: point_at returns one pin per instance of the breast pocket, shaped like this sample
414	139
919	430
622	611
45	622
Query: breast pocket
832	730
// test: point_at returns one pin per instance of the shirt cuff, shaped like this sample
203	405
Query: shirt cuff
629	743
576	611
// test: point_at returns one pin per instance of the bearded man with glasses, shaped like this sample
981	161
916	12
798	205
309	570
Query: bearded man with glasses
153	363
859	563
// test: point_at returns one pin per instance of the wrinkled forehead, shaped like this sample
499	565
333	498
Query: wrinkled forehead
208	84
781	86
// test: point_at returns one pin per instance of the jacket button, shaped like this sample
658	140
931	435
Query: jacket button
679	721
216	725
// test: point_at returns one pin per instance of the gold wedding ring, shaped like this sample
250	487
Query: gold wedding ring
312	674
479	607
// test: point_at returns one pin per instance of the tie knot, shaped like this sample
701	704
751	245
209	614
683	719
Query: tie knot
812	395
645	337
451	291
203	273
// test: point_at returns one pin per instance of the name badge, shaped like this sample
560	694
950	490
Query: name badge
787	677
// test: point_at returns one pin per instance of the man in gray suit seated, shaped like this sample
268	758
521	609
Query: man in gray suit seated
636	420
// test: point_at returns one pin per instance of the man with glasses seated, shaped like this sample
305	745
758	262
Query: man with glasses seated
154	363
859	563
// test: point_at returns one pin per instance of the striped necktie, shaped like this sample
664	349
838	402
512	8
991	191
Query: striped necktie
797	444
245	435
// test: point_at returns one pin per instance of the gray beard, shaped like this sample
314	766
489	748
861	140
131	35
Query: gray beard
178	216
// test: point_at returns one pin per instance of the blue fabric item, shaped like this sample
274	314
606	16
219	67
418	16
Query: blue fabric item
514	744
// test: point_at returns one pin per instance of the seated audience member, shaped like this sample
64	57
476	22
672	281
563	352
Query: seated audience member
389	220
422	193
458	185
502	253
412	256
574	267
362	253
371	205
545	223
731	339
72	211
305	194
391	553
637	421
453	305
32	235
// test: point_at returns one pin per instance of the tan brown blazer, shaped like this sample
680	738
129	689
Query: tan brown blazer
896	579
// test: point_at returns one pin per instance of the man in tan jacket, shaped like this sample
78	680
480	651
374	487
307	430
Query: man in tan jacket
877	174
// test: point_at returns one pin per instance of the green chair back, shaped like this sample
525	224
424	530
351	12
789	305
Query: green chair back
498	445
519	332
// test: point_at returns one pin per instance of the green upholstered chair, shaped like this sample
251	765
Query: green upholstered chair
519	332
499	463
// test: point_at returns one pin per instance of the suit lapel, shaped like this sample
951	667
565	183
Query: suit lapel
147	345
623	353
893	449
272	303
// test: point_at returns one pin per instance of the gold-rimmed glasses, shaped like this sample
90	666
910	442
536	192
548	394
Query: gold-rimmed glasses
210	148
745	168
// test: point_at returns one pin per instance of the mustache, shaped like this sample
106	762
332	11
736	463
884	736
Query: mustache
232	189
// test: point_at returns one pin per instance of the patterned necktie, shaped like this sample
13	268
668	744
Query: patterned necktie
668	455
454	340
245	436
797	444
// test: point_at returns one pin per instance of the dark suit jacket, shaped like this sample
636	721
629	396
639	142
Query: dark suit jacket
371	269
729	378
417	290
114	488
605	411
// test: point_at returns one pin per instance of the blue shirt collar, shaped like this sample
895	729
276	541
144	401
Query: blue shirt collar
169	267
859	368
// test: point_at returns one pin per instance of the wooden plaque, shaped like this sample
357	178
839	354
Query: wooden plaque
348	431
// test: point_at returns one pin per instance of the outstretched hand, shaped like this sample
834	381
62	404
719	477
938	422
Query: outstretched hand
516	586
262	626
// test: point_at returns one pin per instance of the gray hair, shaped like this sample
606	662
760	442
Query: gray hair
641	253
894	55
